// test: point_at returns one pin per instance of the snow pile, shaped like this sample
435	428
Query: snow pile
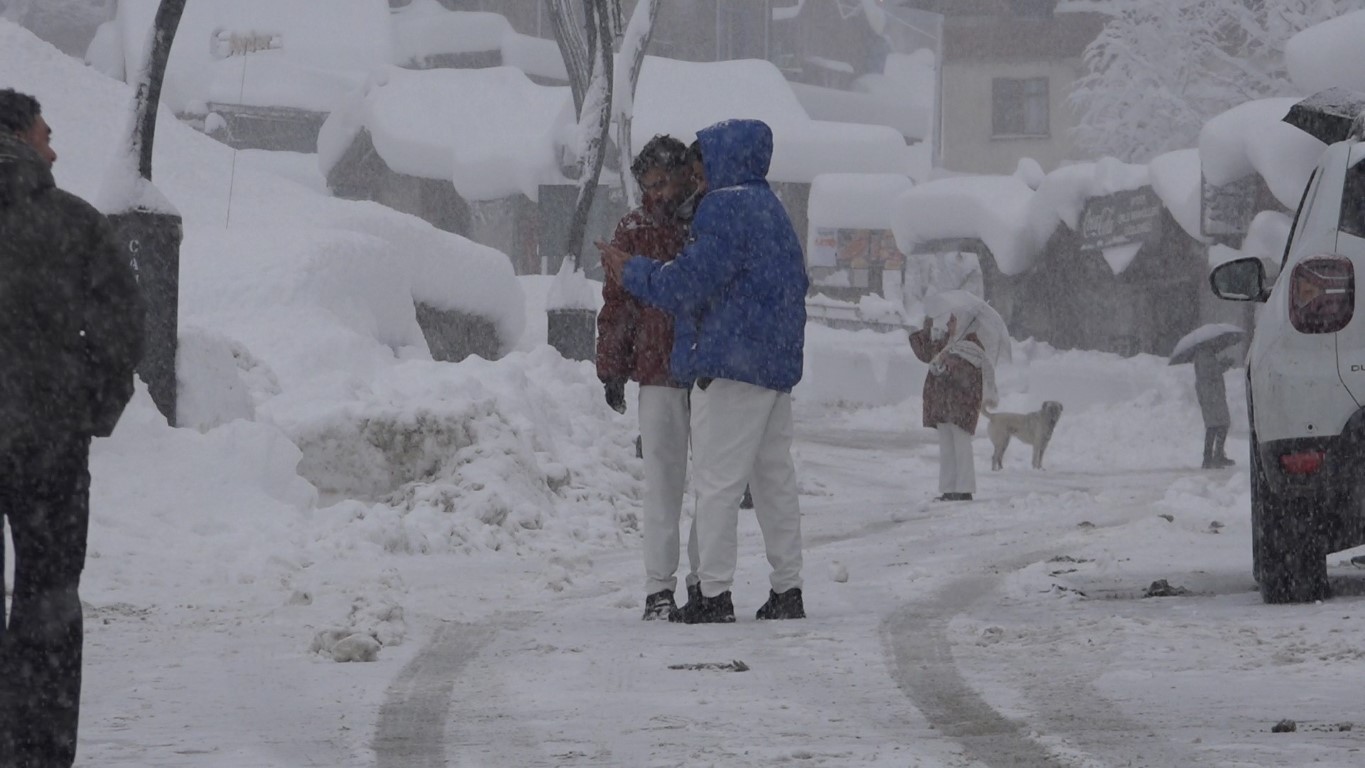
314	54
1253	138
492	132
1328	55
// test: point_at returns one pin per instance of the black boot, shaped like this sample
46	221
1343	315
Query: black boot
1220	437
659	605
787	605
1209	461
706	610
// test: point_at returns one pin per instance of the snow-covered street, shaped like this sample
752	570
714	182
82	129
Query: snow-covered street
350	552
1012	630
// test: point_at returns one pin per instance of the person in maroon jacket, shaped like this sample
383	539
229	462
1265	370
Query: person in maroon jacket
634	342
953	392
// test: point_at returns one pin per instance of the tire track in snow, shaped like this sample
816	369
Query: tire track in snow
411	732
1088	728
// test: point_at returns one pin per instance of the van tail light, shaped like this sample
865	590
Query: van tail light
1304	463
1322	294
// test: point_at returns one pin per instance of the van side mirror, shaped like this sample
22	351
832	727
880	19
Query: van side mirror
1239	280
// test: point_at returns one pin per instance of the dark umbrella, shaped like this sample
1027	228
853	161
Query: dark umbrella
1213	338
1327	115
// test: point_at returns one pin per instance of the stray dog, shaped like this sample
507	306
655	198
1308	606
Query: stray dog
1032	428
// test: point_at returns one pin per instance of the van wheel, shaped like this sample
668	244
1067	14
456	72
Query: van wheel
1288	548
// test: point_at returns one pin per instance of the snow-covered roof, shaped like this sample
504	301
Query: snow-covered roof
902	97
1175	179
263	252
1006	213
1062	195
491	132
993	209
427	28
1328	55
1253	138
855	200
681	97
322	50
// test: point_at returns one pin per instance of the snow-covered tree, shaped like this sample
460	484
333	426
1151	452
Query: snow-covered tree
631	60
1161	68
586	45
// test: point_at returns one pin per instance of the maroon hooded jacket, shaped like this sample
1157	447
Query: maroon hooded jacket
635	340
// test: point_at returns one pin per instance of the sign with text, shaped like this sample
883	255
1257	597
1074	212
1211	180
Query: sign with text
225	44
1130	216
1227	211
855	248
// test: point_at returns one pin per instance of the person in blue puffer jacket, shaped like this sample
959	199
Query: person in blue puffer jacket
738	296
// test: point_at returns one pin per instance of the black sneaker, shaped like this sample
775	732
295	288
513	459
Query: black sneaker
787	605
705	610
659	605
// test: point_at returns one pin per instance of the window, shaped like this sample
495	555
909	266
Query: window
1033	9
1019	106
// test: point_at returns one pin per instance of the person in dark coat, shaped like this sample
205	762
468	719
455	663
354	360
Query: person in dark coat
737	294
70	335
634	342
953	393
1212	394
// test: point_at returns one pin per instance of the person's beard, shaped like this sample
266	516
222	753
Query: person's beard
687	207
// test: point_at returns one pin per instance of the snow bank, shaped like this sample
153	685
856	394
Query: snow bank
320	50
492	132
1328	55
1253	138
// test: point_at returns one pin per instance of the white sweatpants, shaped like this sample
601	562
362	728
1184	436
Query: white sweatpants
741	434
956	470
664	433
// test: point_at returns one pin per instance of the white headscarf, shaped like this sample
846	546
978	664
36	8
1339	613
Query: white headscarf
975	355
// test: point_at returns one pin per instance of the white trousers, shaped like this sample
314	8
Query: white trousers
664	434
741	434
956	470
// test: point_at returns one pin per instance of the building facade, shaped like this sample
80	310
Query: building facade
1008	66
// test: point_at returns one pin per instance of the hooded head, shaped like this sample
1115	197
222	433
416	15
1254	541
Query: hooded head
735	152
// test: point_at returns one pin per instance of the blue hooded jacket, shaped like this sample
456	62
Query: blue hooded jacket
738	290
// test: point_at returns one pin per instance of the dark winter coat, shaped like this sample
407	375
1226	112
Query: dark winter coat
70	311
737	292
953	395
635	340
1210	389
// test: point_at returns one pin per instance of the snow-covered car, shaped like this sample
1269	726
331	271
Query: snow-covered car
1306	384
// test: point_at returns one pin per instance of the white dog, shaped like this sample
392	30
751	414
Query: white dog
1032	428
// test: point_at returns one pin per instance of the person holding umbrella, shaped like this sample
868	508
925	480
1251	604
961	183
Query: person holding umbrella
1202	347
962	355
